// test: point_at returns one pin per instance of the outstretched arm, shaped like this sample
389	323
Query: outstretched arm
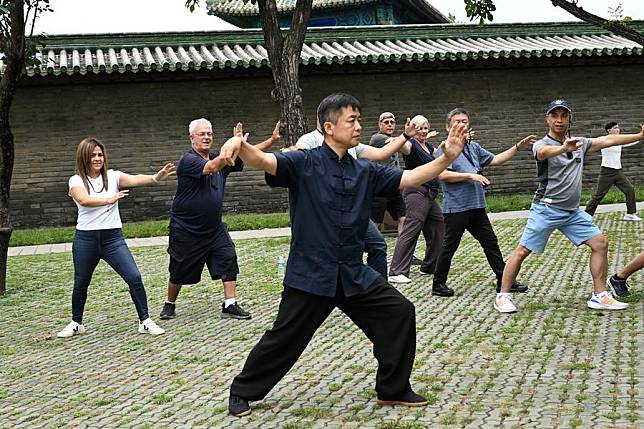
455	177
569	145
133	180
79	194
505	156
400	143
238	131
609	140
251	155
451	149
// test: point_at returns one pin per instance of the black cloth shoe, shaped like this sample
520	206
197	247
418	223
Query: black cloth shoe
238	406
619	287
415	260
167	312
234	311
409	399
440	289
516	287
425	269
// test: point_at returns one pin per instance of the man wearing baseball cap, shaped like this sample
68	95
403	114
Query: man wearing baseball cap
393	203
560	161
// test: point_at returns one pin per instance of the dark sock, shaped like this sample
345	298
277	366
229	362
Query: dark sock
616	277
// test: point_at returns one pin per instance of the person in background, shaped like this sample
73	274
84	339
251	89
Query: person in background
96	190
423	212
393	203
618	281
611	174
198	235
464	205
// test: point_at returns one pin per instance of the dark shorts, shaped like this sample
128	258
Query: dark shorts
393	203
189	253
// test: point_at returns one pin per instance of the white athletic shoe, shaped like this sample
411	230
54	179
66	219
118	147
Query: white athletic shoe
400	278
503	303
605	301
70	330
632	216
149	327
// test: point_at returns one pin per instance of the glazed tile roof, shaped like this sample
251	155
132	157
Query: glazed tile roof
148	53
249	8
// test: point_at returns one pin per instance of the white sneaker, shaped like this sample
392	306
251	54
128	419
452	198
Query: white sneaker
605	301
70	330
400	278
632	216
149	327
503	303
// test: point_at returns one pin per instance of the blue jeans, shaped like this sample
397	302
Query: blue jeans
376	248
88	248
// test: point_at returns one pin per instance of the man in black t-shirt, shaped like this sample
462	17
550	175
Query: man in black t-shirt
197	234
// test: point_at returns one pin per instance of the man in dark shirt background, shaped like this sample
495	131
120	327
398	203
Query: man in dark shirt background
394	202
330	195
197	234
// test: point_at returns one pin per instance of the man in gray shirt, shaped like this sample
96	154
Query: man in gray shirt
393	203
560	162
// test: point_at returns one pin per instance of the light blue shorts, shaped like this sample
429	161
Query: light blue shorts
577	226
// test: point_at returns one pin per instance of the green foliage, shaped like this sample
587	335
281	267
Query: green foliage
246	222
27	45
154	228
480	9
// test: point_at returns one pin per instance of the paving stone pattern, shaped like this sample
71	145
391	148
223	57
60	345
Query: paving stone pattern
555	363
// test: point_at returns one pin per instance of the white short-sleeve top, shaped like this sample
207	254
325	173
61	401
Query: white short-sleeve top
103	217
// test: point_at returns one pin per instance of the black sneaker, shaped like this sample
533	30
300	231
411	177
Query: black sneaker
167	312
425	269
238	406
516	287
409	399
619	287
415	260
234	311
440	289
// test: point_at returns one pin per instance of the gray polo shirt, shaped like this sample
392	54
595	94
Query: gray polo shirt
560	177
469	194
315	139
379	140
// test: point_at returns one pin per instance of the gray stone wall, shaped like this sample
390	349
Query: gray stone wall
144	124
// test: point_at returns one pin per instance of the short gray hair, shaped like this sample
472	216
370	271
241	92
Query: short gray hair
454	112
419	120
193	124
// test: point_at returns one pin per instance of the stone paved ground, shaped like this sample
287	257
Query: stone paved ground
553	364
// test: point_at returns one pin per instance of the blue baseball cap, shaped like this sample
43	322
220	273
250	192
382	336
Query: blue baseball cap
558	103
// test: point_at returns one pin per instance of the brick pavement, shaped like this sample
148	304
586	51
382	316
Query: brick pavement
555	363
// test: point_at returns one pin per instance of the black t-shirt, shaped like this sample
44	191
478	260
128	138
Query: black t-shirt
198	202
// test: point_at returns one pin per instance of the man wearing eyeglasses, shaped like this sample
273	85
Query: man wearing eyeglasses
197	234
393	203
464	204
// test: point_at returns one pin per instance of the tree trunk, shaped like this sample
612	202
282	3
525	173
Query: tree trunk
14	60
615	27
284	55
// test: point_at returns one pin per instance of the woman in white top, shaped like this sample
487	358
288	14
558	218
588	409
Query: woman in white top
96	192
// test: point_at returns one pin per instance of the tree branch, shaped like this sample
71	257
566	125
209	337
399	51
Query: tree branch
612	26
299	23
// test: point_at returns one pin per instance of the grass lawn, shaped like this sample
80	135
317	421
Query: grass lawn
243	222
555	363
